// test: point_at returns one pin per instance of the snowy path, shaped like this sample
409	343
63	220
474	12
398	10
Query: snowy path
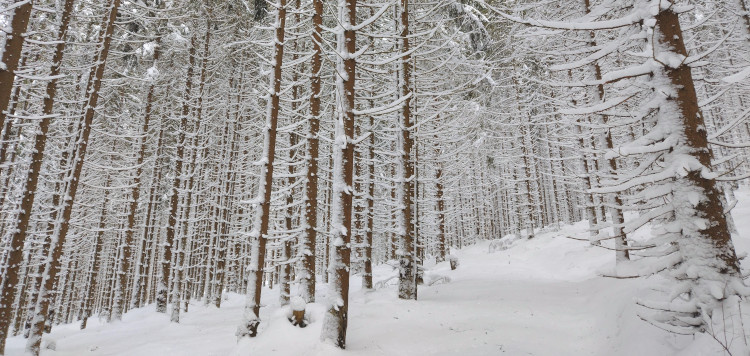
481	316
499	303
540	297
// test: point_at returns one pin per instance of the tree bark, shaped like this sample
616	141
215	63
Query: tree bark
27	202
336	320
367	274
124	265
442	249
696	141
407	287
11	56
93	280
251	320
54	260
166	262
615	211
308	276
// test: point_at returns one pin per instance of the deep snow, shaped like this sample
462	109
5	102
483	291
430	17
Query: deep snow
544	296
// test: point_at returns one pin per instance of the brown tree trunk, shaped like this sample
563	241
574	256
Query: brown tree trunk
124	265
367	275
285	272
140	279
710	208
191	169
357	203
307	279
263	217
166	262
618	219
285	269
93	86
92	285
11	56
341	226
8	131
407	288
52	226
442	246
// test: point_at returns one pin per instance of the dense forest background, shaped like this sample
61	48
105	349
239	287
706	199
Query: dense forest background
169	151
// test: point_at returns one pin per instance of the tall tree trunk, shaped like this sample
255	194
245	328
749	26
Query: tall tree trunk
703	240
8	132
335	324
668	24
615	210
307	278
11	56
367	275
407	287
124	265
53	225
251	320
166	262
177	285
285	280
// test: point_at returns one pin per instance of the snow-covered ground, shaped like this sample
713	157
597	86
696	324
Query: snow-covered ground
544	296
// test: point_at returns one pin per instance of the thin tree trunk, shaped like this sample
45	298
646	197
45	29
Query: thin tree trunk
308	277
166	262
357	203
442	246
285	272
367	275
251	320
177	285
407	288
124	265
88	302
140	291
617	217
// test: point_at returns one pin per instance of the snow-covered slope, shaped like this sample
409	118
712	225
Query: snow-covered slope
543	296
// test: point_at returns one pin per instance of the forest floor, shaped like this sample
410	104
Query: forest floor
544	296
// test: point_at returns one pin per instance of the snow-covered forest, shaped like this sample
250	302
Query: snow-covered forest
385	177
